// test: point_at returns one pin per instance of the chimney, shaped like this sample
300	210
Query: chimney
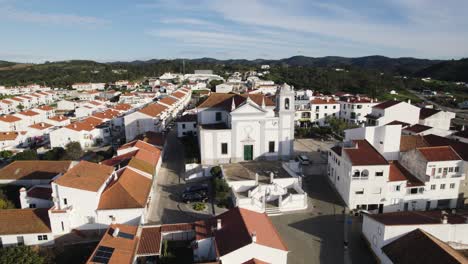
409	101
444	219
254	237
218	224
328	99
42	125
116	232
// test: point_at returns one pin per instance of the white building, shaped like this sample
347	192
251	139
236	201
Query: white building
393	110
88	86
354	109
424	177
88	132
12	139
224	88
234	128
149	118
417	237
436	118
186	125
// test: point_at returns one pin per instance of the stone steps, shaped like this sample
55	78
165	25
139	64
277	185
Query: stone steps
272	211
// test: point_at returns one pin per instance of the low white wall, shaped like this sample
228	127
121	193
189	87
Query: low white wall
29	239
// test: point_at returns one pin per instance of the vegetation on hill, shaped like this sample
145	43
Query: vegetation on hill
372	75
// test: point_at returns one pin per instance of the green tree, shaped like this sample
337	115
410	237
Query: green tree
20	254
20	107
6	154
213	83
56	153
73	151
28	154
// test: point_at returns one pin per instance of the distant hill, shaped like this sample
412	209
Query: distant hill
454	70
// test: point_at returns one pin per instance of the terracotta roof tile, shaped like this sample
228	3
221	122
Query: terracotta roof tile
59	118
130	190
419	246
224	100
150	241
9	118
409	142
26	221
168	101
28	113
86	176
153	110
427	112
178	95
323	101
442	153
364	153
141	165
123	107
419	217
387	104
460	147
417	128
121	160
39	192
396	122
41	126
400	173
46	108
124	248
37	169
5	136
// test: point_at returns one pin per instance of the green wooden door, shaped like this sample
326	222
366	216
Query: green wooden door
248	152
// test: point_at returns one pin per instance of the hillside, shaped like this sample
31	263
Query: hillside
454	70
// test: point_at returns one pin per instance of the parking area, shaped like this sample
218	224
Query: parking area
166	206
316	235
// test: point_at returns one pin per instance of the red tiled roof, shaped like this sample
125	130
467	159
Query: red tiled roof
39	192
460	147
46	108
86	176
108	114
178	95
364	154
130	190
9	118
442	153
400	173
41	126
238	225
409	142
10	135
417	128
28	113
119	159
150	241
24	221
33	170
427	112
223	100
396	122
167	101
323	101
59	118
419	246
123	107
387	104
153	110
419	217
124	248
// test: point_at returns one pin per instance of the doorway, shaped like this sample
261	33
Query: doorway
248	152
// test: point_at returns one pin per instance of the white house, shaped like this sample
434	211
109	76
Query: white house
417	237
88	132
28	227
393	110
224	88
354	109
186	124
12	139
236	236
234	128
149	118
436	118
321	109
12	123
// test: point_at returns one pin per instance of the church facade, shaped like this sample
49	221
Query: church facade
234	128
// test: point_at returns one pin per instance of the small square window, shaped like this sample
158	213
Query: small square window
442	186
433	187
379	173
452	186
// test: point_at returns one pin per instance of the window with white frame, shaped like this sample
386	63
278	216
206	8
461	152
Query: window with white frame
433	187
442	186
452	186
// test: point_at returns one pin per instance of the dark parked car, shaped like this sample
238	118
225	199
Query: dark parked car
203	188
194	197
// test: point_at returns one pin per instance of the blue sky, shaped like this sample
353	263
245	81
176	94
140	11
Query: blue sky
104	30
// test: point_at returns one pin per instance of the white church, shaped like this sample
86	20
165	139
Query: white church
243	127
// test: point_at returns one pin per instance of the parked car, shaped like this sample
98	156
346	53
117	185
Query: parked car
303	159
201	188
194	197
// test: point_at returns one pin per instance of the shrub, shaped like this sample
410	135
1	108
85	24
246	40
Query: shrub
28	154
5	154
20	254
216	171
199	206
221	192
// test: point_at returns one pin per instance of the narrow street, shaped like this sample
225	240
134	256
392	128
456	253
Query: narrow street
165	206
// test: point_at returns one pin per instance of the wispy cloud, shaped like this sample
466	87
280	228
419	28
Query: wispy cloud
11	13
